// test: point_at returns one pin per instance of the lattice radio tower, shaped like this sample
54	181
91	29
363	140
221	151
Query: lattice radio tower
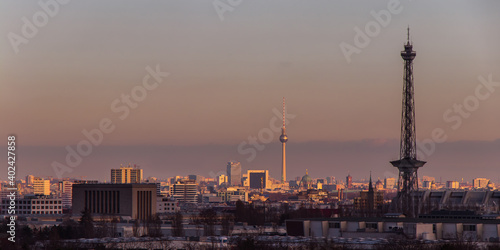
408	164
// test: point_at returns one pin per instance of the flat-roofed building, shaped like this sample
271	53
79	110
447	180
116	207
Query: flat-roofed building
185	191
259	179
233	194
126	175
66	192
480	182
135	200
166	205
389	183
41	186
34	205
440	225
452	184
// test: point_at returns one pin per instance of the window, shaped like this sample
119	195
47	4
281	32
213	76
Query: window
334	225
469	227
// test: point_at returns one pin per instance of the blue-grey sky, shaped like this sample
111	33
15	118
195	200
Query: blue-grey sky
227	76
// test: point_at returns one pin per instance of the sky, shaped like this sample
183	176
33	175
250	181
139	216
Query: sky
228	70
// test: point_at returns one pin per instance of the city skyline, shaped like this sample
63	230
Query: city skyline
227	78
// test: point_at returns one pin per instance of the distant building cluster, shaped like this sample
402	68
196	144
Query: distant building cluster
129	197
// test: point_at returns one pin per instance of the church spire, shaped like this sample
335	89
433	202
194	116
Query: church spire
370	186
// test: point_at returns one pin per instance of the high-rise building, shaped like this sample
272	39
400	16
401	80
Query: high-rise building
234	173
221	179
480	182
29	180
283	140
259	179
427	184
41	186
185	191
452	184
348	181
66	191
126	175
389	183
330	180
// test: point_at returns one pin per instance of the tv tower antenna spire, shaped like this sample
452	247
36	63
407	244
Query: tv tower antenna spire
408	39
283	111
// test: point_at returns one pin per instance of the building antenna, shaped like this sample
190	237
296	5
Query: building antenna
408	33
283	111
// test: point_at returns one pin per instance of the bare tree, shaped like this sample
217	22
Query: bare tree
227	224
87	224
154	226
113	227
208	218
177	226
135	228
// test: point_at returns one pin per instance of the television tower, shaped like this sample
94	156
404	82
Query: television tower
283	139
408	164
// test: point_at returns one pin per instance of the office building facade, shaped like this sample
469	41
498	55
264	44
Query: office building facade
258	179
185	191
41	186
234	173
135	200
34	205
126	175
